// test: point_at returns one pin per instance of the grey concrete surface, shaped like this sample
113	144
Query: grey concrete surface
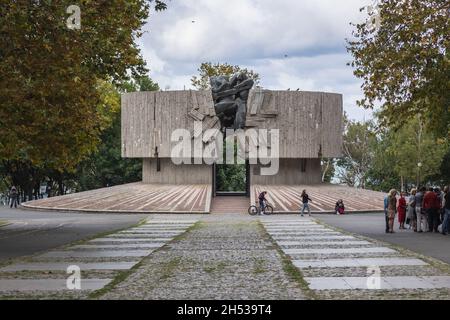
372	225
31	232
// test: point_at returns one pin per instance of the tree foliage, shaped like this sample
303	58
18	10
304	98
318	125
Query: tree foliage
53	80
231	178
413	145
405	63
381	175
208	70
358	142
328	169
106	167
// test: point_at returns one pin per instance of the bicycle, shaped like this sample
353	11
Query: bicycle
254	210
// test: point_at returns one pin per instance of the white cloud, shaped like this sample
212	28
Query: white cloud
257	34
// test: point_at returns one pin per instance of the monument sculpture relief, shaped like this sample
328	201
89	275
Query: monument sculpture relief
230	99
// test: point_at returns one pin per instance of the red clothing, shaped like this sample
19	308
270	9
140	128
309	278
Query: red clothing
431	201
401	209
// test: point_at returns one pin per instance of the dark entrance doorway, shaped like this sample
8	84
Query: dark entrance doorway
231	180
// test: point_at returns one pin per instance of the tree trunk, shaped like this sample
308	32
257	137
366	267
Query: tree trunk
60	187
327	167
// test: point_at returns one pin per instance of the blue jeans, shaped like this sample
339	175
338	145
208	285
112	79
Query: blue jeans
306	206
14	202
262	206
445	225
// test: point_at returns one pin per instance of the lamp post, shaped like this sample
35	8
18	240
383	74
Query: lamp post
419	166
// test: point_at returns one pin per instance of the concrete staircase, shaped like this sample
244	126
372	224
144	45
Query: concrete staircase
230	204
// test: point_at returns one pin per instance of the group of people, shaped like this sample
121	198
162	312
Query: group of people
339	208
424	210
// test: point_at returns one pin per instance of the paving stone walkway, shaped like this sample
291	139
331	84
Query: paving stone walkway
99	260
228	256
342	266
225	257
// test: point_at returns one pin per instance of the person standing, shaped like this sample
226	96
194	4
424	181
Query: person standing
392	208
401	209
421	218
14	197
305	203
412	210
442	200
431	206
446	207
386	215
262	202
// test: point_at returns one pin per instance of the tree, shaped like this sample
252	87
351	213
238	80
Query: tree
396	155
50	118
443	177
139	83
106	167
208	70
381	175
359	138
328	169
405	63
412	145
231	178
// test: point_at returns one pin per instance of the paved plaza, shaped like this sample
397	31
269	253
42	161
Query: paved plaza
221	256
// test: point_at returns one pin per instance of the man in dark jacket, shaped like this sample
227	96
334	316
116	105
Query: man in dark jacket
305	203
14	197
432	205
262	202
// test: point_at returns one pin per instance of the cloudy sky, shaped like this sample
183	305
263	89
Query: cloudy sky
290	43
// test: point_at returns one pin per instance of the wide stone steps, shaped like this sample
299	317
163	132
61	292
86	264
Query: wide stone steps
228	204
320	251
111	253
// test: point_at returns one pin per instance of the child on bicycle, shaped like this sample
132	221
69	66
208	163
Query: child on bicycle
262	201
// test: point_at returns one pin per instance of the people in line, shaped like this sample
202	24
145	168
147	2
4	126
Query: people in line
424	210
305	203
340	208
401	209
